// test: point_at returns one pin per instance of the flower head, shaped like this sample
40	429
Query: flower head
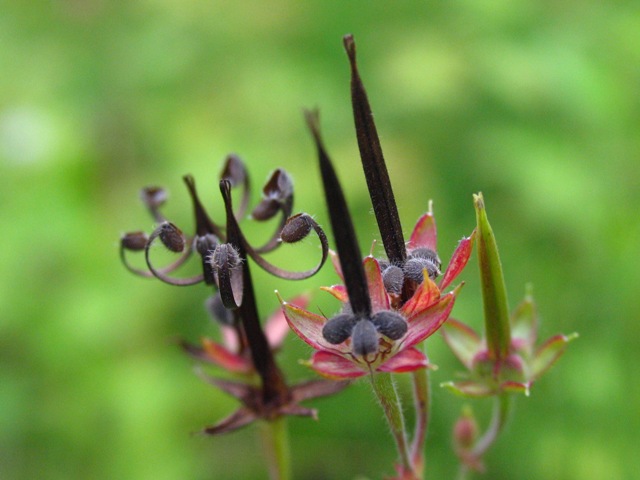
350	346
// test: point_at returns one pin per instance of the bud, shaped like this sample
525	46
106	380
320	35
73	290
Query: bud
390	324
465	431
296	228
494	292
134	241
171	237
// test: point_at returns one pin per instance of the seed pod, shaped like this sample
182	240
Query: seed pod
390	324
216	309
393	278
224	256
134	241
153	197
339	328
266	209
171	237
279	185
205	244
234	170
364	338
428	254
413	269
296	228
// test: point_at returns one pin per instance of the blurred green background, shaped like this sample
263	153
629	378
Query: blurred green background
533	103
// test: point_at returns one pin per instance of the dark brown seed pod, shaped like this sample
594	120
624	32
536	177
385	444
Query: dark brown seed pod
205	244
134	241
153	197
266	209
224	256
171	237
296	228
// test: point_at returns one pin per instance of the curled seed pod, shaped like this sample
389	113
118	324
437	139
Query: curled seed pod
224	256
393	279
171	237
205	244
153	197
134	241
364	338
266	209
339	328
390	324
216	309
279	185
234	170
296	228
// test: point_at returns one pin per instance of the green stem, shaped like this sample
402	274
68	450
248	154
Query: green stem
463	472
421	398
499	417
275	444
385	390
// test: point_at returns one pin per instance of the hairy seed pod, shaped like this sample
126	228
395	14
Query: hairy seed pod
296	228
429	255
364	338
413	269
339	328
393	279
390	324
171	237
134	241
205	244
224	256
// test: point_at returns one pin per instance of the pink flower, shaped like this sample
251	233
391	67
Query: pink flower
395	327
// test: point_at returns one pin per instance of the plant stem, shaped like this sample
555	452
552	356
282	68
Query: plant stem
422	399
385	390
275	444
499	417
